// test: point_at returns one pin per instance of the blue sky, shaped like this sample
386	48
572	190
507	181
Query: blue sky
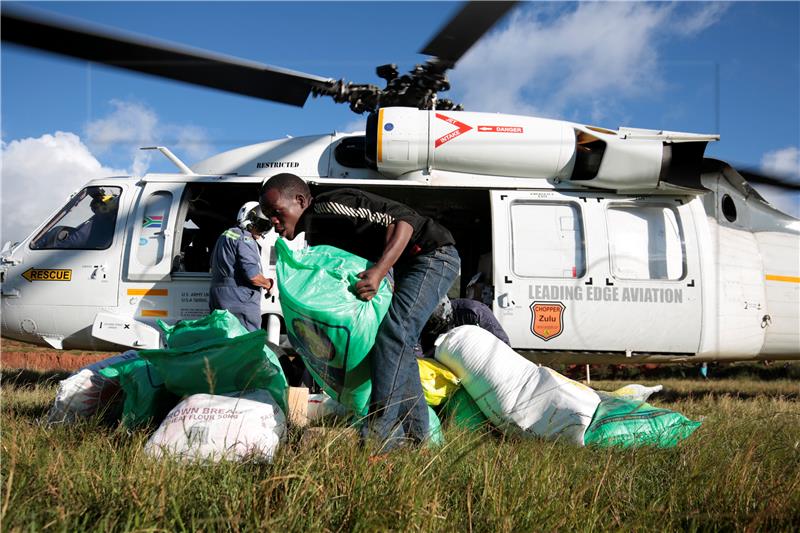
730	68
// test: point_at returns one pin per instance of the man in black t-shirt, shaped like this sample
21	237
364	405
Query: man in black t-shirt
392	235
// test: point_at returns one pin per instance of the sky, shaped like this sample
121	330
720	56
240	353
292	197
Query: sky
703	67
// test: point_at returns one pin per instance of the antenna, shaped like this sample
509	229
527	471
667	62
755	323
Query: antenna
172	157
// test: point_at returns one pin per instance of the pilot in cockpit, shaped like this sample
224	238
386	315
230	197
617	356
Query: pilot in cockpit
97	231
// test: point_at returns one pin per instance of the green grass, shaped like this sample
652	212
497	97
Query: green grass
740	470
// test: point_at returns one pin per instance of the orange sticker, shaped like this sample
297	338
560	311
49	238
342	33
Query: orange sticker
153	312
547	319
148	292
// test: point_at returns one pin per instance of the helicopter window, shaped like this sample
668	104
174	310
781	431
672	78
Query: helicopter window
646	242
548	240
728	208
87	222
154	223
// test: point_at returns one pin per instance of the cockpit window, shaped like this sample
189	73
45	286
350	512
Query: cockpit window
87	222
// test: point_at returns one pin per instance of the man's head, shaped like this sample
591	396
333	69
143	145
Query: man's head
283	199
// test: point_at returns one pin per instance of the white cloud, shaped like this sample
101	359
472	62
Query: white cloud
37	176
129	123
784	164
547	61
133	125
191	142
39	173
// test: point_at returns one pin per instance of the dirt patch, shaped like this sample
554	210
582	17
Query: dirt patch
53	360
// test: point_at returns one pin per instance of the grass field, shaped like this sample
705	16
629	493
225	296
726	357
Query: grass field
740	470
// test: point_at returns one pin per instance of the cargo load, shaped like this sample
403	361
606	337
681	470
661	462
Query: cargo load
515	394
233	427
327	324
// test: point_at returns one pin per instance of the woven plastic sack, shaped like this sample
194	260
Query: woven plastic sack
147	400
462	411
626	423
193	336
235	426
218	366
634	391
438	383
219	324
435	434
515	394
87	393
331	329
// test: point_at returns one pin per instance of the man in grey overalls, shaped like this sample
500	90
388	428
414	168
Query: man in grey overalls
236	278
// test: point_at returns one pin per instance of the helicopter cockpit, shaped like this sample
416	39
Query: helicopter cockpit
86	222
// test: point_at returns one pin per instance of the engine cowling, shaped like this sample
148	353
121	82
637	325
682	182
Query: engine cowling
403	141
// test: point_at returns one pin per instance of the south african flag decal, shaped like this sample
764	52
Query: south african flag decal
152	221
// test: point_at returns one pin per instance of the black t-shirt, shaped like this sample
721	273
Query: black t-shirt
356	221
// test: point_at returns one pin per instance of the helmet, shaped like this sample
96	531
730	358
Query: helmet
103	203
442	317
251	217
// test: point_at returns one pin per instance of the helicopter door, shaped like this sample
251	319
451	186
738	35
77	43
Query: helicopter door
577	272
74	260
152	234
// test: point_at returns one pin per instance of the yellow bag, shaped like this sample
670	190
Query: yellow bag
438	383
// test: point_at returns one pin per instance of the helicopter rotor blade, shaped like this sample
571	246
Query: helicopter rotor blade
464	29
161	59
773	181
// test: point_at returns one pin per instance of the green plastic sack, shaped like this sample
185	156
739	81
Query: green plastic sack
147	400
462	410
219	324
220	365
331	329
627	423
435	434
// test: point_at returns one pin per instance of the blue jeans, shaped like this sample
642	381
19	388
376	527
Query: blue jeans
397	400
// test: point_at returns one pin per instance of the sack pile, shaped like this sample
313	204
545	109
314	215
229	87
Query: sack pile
218	389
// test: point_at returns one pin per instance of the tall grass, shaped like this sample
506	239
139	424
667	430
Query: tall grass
740	470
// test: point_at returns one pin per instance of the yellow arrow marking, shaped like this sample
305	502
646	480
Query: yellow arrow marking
48	274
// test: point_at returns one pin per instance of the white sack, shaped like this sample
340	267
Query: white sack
216	427
515	394
86	392
633	392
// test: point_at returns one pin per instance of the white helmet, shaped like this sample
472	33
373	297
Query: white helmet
250	214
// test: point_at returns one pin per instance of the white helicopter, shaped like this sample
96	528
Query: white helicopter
591	245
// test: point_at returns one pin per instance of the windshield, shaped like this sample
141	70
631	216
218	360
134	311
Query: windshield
87	222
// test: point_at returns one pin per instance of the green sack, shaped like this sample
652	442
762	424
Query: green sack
462	410
435	434
331	329
147	400
628	423
219	366
219	324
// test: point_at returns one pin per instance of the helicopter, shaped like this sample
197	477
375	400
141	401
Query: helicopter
590	244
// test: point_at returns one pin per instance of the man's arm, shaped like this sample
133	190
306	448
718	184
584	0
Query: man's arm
397	236
250	261
260	281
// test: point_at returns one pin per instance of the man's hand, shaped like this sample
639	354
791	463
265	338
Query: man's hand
369	284
260	281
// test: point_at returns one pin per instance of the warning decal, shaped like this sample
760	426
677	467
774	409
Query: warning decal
48	274
462	128
501	129
547	319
